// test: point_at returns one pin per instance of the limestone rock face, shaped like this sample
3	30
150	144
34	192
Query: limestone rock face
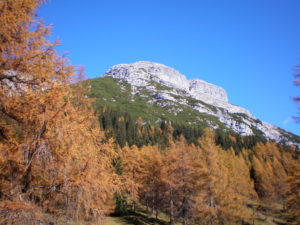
201	89
141	73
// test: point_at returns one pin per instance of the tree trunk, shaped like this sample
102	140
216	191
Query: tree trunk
283	204
171	212
152	209
156	213
147	205
185	212
185	221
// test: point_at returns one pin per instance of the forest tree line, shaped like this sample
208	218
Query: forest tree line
126	129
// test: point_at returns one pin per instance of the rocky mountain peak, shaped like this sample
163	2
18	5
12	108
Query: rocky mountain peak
167	88
139	73
143	72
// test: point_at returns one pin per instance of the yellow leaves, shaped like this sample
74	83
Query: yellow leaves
271	164
189	182
213	184
121	119
25	51
226	184
53	150
9	205
133	171
293	194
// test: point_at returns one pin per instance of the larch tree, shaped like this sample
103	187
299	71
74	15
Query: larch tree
270	173
263	179
219	201
240	188
214	183
51	153
293	194
154	189
132	172
183	181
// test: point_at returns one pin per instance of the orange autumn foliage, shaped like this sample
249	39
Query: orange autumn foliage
190	183
51	153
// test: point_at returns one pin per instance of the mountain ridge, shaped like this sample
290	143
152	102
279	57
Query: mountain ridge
163	86
138	73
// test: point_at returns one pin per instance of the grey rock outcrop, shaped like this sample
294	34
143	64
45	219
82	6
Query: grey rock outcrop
141	73
201	89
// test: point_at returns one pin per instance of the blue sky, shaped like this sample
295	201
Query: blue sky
248	47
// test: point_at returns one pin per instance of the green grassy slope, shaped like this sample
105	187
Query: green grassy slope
118	96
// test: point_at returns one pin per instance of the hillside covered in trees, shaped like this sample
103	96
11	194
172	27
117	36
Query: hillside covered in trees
64	160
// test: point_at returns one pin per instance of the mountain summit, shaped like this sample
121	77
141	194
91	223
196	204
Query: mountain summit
140	73
157	92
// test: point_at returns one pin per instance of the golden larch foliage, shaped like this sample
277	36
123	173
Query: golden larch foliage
221	200
51	152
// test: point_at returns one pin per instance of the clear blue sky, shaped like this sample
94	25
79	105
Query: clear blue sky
249	47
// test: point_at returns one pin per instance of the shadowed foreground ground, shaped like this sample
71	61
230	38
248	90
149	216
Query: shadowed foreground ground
264	216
